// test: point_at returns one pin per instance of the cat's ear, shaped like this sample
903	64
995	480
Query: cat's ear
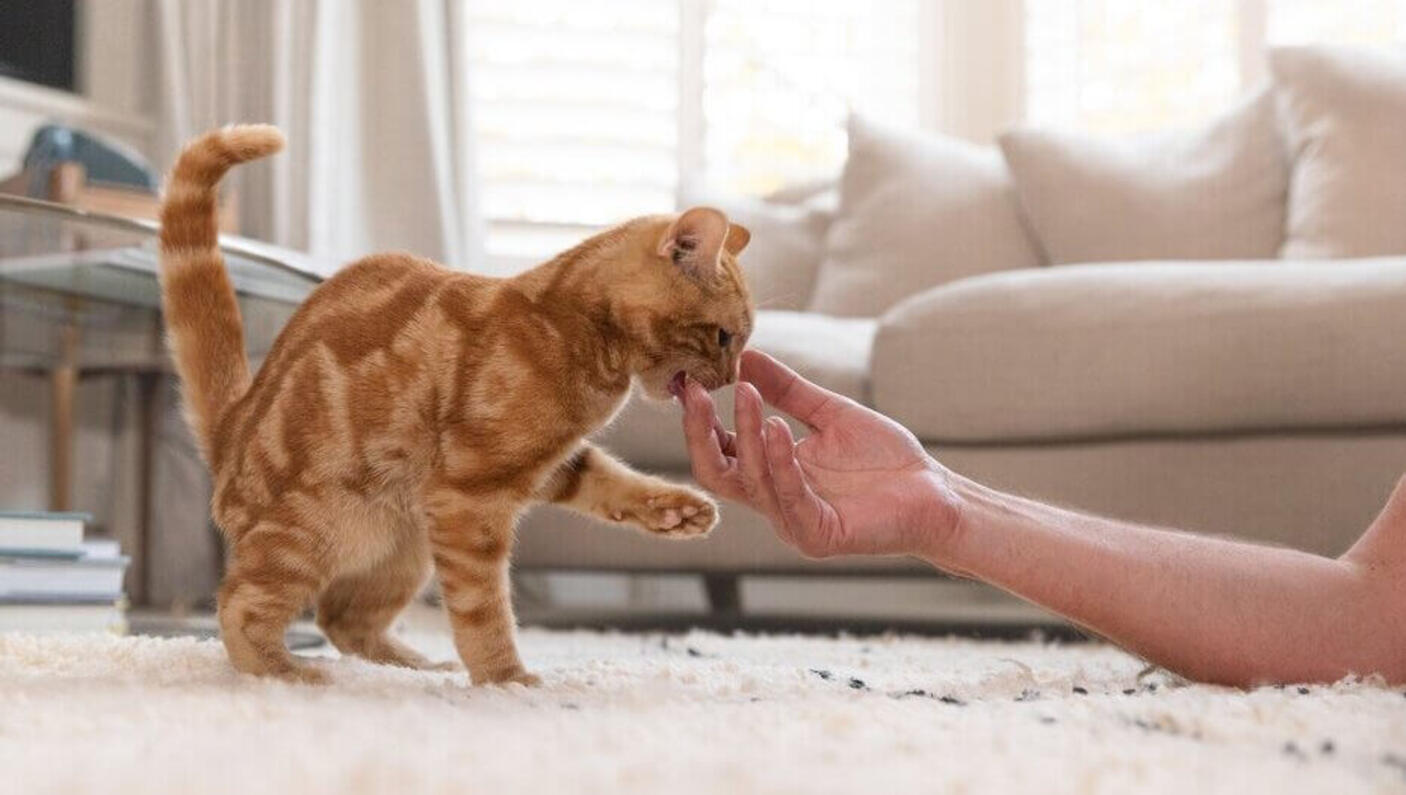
695	239
738	237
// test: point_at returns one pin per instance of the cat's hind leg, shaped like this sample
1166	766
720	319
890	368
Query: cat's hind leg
357	609
273	573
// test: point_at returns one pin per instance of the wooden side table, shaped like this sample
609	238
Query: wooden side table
80	298
67	184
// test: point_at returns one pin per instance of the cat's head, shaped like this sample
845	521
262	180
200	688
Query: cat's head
686	301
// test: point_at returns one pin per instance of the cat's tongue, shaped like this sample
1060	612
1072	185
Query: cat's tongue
676	384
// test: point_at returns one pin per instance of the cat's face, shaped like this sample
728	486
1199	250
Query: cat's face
697	313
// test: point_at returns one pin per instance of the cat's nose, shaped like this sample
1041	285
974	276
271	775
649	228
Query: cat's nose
733	369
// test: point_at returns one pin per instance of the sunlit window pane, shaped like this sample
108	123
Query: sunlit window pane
780	77
575	108
1129	65
1370	22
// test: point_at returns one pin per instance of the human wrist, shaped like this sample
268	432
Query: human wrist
951	513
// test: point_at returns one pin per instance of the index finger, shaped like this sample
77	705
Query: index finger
699	427
780	386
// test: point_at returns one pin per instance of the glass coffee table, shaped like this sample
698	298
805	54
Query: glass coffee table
79	298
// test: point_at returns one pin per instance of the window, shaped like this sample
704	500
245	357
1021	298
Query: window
1117	65
574	108
780	77
1371	22
1129	65
587	113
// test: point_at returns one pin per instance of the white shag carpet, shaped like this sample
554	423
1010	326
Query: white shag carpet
684	713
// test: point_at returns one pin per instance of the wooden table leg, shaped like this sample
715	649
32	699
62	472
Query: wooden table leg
139	574
63	383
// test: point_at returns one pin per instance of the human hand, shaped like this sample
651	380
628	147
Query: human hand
859	484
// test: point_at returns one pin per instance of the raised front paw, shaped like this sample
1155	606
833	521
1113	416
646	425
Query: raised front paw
675	511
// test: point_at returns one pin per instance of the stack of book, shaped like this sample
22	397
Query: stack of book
52	580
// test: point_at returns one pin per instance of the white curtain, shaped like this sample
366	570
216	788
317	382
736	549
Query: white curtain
373	97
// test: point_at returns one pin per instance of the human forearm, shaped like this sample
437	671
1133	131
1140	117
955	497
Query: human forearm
1212	609
1209	608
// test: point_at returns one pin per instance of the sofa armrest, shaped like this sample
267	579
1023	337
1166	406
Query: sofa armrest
1110	350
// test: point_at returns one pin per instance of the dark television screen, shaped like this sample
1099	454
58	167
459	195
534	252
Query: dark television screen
36	41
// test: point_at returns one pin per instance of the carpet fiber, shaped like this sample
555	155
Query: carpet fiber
683	713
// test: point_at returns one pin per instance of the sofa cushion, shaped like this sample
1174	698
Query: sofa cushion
916	210
788	242
1211	193
831	351
1345	113
1100	351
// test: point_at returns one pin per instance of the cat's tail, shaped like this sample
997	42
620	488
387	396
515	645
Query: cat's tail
203	327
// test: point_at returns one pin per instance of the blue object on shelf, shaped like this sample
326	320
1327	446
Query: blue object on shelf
103	160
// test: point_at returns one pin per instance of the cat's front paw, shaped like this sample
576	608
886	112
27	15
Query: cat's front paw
678	512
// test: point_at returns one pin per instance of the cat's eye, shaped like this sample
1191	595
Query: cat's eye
724	337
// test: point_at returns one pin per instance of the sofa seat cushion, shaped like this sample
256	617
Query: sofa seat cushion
1110	350
831	351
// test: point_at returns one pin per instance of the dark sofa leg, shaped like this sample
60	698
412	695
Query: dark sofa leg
724	593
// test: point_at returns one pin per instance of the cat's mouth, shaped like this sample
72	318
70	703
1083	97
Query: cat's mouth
661	388
676	384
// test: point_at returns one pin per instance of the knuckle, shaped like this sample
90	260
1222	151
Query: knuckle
755	475
788	499
727	486
705	479
788	490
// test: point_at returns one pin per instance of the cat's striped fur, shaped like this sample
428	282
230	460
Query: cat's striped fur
408	414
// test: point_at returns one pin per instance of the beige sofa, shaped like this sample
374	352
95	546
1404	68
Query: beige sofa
1209	384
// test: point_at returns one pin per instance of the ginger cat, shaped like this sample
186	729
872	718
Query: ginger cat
408	414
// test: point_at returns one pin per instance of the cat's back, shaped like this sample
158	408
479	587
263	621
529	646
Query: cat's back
357	312
346	372
393	280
